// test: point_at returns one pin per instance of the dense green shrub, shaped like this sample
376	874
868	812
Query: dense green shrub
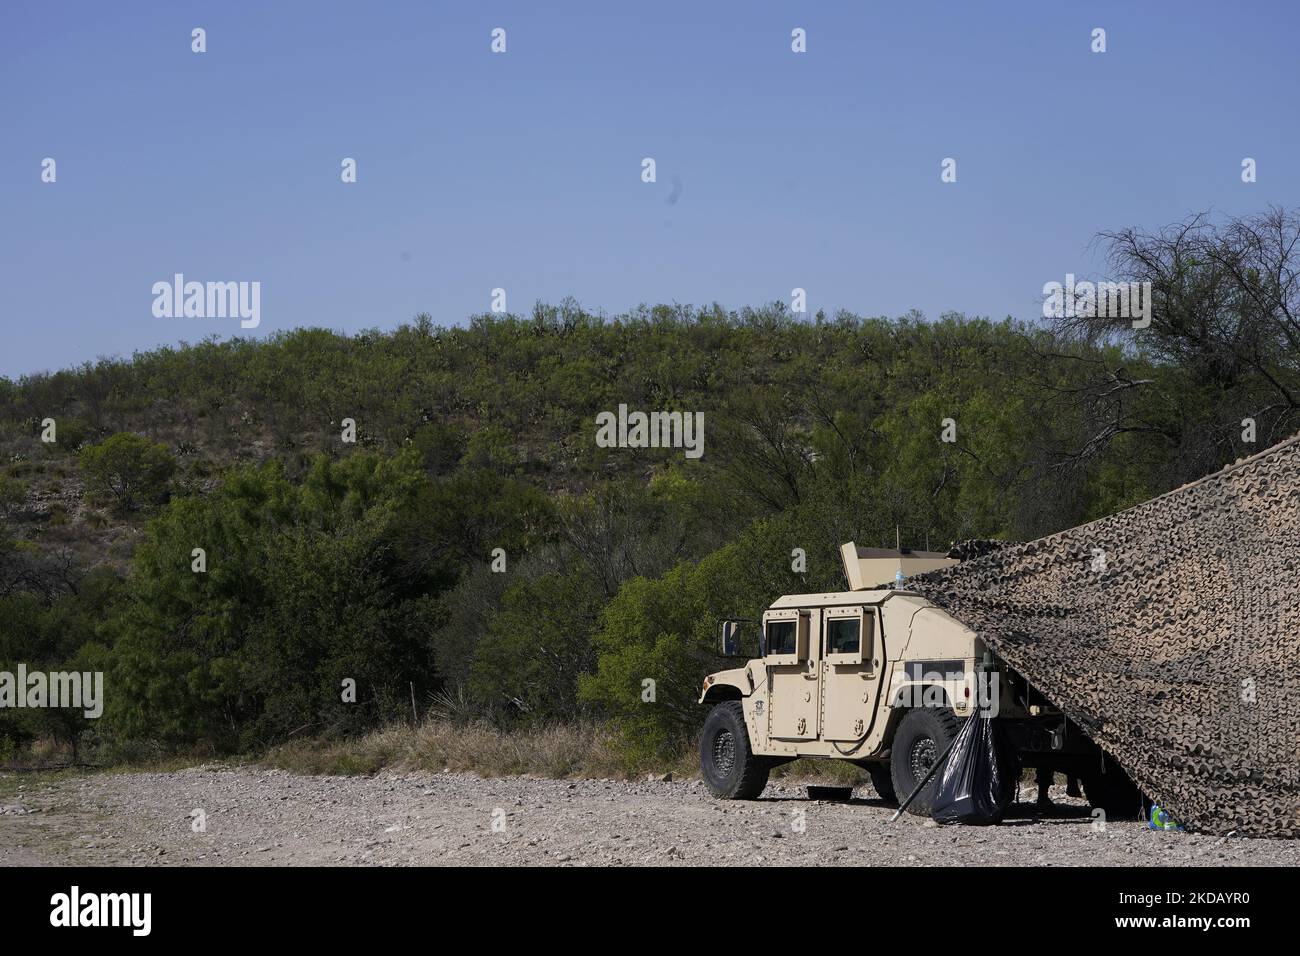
128	469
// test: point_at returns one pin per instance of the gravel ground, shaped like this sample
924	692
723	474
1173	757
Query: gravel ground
270	817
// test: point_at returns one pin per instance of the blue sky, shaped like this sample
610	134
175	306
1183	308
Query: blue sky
522	170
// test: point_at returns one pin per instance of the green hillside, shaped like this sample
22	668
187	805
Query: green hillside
200	530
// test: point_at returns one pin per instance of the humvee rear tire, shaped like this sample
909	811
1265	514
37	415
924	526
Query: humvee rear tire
1113	791
919	741
727	763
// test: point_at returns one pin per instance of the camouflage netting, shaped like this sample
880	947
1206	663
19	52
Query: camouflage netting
1181	657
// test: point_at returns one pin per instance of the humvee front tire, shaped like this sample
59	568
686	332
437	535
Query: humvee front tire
727	763
919	741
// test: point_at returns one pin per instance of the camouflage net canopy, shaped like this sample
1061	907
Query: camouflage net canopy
1180	655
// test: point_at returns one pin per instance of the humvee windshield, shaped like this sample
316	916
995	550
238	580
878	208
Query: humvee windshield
781	637
843	635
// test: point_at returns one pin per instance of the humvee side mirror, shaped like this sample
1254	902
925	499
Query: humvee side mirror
729	639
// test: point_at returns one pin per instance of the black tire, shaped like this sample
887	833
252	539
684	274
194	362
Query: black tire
727	763
883	781
1113	792
920	739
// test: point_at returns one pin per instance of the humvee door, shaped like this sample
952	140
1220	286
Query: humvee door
851	671
791	641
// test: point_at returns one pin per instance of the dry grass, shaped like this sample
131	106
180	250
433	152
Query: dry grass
570	750
819	770
557	751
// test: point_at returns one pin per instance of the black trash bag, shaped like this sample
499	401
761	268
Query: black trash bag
976	784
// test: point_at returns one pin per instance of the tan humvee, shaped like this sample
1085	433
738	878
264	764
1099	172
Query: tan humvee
877	676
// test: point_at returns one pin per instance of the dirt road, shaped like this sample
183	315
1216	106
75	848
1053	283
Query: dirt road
219	816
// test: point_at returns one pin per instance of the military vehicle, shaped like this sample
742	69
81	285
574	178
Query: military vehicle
881	677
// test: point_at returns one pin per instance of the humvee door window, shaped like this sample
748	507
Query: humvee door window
781	637
843	635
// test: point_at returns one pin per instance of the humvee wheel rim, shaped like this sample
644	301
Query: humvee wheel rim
724	752
921	759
